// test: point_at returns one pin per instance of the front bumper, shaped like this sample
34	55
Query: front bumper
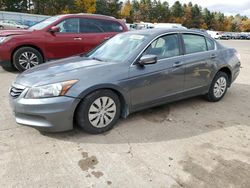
48	114
5	55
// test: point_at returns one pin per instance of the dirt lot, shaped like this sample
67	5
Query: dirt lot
191	143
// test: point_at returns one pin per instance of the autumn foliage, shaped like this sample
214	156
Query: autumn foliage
190	15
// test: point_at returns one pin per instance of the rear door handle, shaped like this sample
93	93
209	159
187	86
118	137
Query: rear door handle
77	38
178	64
212	56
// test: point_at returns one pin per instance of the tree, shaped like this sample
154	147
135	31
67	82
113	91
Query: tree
208	18
196	16
126	9
187	18
246	25
108	7
86	6
191	16
14	5
177	10
160	11
52	7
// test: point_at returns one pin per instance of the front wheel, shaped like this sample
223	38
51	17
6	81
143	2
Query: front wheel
98	112
218	87
27	57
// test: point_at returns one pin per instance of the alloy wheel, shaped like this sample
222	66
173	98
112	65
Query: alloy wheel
28	60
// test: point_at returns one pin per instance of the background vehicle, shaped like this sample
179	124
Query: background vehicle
169	26
214	34
243	36
226	36
10	24
56	37
22	18
130	72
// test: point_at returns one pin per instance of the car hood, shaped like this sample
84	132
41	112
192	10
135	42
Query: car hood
60	70
6	33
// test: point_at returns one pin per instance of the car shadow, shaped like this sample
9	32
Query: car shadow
177	120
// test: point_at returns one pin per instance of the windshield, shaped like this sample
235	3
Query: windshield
44	23
118	48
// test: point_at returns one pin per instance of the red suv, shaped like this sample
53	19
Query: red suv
56	37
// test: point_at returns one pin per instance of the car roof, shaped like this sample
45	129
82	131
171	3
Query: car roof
89	15
159	31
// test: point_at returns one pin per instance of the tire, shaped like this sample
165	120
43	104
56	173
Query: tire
9	69
27	57
221	82
1	27
93	118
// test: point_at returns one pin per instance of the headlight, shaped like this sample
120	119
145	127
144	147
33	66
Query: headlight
4	39
52	90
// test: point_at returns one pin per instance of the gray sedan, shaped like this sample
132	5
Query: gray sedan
130	72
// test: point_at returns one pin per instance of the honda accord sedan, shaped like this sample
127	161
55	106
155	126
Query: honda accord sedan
130	72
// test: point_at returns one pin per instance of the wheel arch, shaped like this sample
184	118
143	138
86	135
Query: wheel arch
124	100
228	71
27	45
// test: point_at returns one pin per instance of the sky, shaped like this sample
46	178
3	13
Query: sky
228	7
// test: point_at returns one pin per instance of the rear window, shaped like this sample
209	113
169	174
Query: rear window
210	44
111	26
98	26
194	43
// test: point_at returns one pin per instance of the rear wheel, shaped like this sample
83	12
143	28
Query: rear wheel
218	87
27	57
98	112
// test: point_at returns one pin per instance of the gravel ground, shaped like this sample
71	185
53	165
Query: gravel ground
190	143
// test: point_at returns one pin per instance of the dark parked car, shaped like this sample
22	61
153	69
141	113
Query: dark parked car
226	36
56	37
130	72
243	36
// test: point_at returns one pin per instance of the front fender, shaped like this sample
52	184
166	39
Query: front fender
122	93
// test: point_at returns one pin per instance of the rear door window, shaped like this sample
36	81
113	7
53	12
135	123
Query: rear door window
90	26
99	25
194	43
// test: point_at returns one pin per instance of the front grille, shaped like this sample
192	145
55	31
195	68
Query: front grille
15	92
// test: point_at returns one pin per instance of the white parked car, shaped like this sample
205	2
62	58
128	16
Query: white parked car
214	34
10	24
169	26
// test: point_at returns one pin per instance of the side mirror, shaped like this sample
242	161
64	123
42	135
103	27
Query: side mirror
54	29
148	60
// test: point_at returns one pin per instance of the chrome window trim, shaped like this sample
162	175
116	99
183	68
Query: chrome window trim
176	32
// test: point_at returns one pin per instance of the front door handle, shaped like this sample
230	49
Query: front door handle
77	38
177	64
